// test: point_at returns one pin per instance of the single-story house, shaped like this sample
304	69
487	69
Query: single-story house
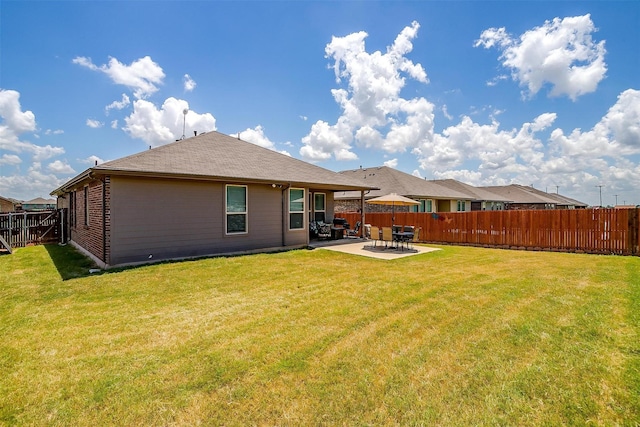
8	204
211	194
39	204
482	200
526	197
433	197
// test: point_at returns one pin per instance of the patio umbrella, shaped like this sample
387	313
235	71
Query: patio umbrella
394	200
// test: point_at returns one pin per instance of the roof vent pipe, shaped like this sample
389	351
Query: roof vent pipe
195	133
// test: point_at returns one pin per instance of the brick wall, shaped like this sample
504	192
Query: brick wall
354	206
88	230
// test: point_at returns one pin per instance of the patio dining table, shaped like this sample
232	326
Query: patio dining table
403	237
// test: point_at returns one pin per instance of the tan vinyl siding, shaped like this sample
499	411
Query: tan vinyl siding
165	218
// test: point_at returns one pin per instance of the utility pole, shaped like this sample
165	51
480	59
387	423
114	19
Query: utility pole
616	199
557	189
600	187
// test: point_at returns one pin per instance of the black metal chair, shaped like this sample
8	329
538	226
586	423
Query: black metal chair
355	231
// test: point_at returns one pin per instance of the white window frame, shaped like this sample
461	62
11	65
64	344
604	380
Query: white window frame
425	206
245	212
463	204
324	203
301	212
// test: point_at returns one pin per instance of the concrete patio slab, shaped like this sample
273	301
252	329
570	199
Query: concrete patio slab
365	248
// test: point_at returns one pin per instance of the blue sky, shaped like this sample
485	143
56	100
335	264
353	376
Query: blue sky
487	92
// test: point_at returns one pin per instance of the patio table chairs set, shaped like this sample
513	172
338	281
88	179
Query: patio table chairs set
396	237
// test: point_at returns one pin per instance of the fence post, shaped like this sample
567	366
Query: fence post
10	229
26	229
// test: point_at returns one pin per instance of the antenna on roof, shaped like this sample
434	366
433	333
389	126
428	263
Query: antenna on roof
184	120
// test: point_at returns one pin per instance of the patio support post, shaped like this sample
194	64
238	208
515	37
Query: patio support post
362	215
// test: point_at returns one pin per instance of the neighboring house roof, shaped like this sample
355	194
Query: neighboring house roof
219	157
476	193
529	195
10	200
560	199
389	180
40	201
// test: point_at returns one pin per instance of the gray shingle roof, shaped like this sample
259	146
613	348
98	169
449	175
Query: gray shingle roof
216	156
40	201
558	198
390	180
477	193
523	194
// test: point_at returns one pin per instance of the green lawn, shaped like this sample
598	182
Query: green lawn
461	336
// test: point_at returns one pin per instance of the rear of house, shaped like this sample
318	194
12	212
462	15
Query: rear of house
210	194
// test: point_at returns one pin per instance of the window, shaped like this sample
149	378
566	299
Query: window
424	206
236	209
319	206
296	208
461	206
86	205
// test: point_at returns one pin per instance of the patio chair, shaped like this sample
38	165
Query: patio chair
375	235
416	236
387	236
354	232
324	230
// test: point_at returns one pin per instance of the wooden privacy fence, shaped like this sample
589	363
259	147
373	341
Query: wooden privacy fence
20	229
603	231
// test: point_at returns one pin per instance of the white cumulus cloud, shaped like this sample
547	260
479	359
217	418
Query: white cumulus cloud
374	114
257	136
16	122
143	76
393	163
10	159
118	105
94	124
616	135
189	83
60	167
92	160
561	53
536	153
159	126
